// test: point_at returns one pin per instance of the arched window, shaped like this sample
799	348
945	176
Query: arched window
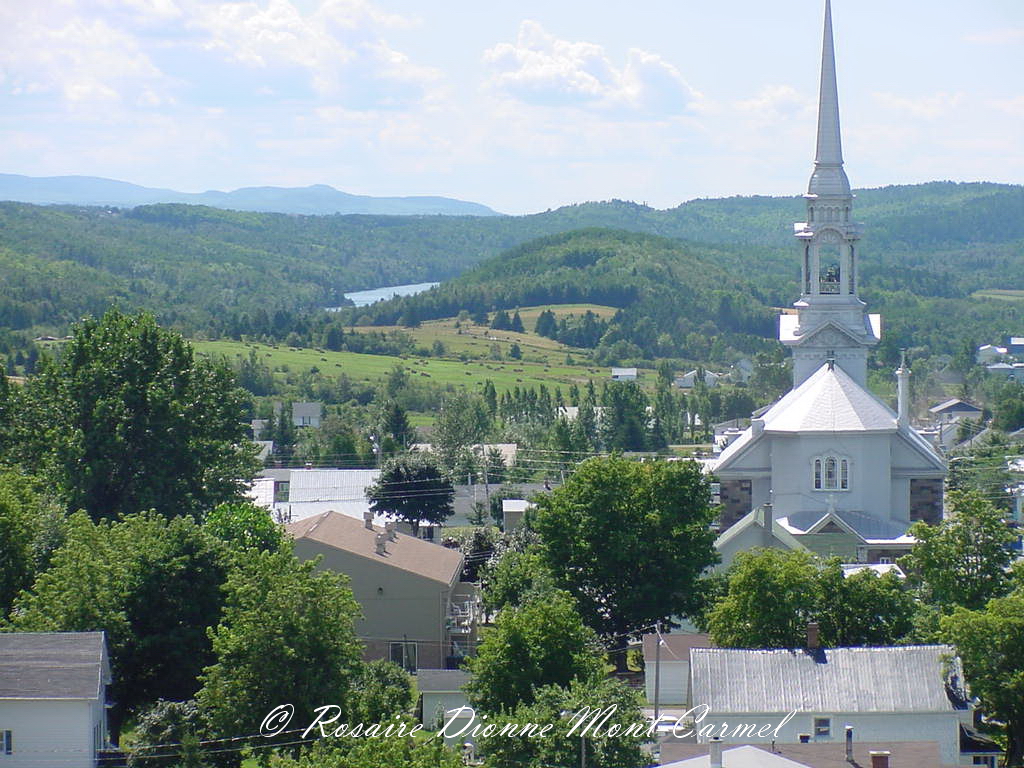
831	473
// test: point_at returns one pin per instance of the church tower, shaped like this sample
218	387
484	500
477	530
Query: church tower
830	322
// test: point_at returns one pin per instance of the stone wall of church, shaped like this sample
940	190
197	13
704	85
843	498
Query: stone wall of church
736	502
926	500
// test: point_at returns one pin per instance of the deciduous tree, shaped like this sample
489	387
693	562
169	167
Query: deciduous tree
628	540
412	487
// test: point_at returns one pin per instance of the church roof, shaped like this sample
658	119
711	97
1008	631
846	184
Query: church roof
829	177
830	401
867	527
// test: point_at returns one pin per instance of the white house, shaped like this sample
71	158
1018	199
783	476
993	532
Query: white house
53	695
625	374
989	353
905	693
667	666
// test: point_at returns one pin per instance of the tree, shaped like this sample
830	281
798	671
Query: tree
990	642
462	423
18	510
770	600
542	642
153	585
517	323
628	540
513	578
380	690
557	706
385	752
963	560
771	595
286	635
243	525
396	424
130	420
412	487
515	351
167	722
625	416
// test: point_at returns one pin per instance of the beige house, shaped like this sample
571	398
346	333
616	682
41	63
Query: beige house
416	612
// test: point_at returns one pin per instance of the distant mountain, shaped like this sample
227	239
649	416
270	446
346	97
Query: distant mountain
318	199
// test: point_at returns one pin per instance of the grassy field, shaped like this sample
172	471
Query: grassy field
1003	294
477	340
375	368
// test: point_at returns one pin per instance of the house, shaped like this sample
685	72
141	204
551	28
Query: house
667	666
512	513
508	451
441	693
913	693
689	380
741	370
304	493
1005	370
53	697
625	374
889	754
954	410
987	353
416	611
307	414
1015	345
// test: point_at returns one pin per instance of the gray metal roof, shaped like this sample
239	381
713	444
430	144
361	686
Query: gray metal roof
441	680
52	665
836	680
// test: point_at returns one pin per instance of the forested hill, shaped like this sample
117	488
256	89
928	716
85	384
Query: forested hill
674	298
189	263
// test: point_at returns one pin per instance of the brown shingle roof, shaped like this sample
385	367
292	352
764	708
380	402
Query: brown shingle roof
409	553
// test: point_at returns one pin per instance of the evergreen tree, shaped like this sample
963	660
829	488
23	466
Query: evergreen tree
517	323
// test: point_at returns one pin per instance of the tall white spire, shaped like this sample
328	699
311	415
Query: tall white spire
828	178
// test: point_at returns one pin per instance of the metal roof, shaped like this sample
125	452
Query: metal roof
834	680
52	665
330	484
441	680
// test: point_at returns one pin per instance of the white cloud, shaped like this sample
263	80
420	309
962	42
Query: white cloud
1001	36
543	70
930	107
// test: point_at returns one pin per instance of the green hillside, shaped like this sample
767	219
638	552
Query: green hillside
198	267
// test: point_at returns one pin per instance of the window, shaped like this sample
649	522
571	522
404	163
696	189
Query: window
404	655
831	473
822	728
8	743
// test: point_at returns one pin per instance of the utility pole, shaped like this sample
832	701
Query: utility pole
657	670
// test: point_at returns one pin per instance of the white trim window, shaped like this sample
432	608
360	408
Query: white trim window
831	473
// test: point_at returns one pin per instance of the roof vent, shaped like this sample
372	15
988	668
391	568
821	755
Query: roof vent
381	540
368	520
849	743
879	759
391	529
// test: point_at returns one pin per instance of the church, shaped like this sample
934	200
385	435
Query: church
830	467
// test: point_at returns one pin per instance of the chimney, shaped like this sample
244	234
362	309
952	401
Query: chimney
757	426
715	752
767	518
879	759
381	539
391	529
368	520
813	641
903	392
849	743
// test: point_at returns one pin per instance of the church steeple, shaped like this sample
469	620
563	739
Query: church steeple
830	323
828	178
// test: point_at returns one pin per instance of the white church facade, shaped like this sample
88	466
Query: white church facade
830	465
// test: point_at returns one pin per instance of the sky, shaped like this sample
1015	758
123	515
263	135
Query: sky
522	106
